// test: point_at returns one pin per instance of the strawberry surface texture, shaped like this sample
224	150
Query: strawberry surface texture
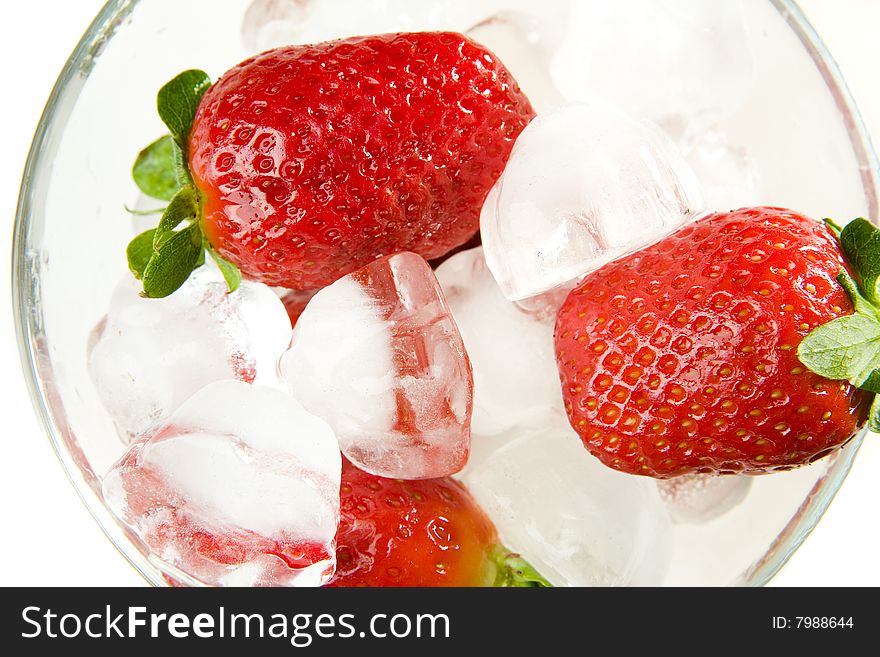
313	160
682	357
429	532
393	532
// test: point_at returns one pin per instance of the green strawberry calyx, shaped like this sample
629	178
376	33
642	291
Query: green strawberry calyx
510	570
848	348
162	258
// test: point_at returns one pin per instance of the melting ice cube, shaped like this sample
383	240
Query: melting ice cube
239	487
728	176
584	185
148	355
379	357
272	23
577	521
515	376
683	64
699	498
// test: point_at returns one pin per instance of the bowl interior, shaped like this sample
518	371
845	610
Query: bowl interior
798	126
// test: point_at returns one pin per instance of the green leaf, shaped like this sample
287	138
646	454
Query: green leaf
161	171
860	241
139	252
154	171
144	213
872	383
183	207
173	261
181	169
178	101
860	303
848	348
844	348
874	415
230	272
833	226
511	570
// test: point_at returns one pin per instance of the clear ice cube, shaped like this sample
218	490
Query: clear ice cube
683	64
584	185
240	487
378	355
577	521
273	23
698	498
516	381
149	355
728	176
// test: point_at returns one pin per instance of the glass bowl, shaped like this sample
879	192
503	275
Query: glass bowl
799	125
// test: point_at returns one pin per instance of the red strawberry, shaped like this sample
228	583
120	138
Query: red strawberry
314	160
684	356
295	302
428	532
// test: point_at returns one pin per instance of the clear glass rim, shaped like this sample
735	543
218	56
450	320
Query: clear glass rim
26	323
28	329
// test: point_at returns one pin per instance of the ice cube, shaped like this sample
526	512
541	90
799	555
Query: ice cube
577	521
546	305
272	23
515	377
684	64
728	176
239	487
584	185
149	355
378	356
697	498
523	43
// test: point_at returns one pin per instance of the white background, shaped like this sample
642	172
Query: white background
48	536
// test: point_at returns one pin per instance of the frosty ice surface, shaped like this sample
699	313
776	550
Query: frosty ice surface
149	355
584	185
699	498
379	357
728	176
239	487
511	353
683	64
577	521
272	23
